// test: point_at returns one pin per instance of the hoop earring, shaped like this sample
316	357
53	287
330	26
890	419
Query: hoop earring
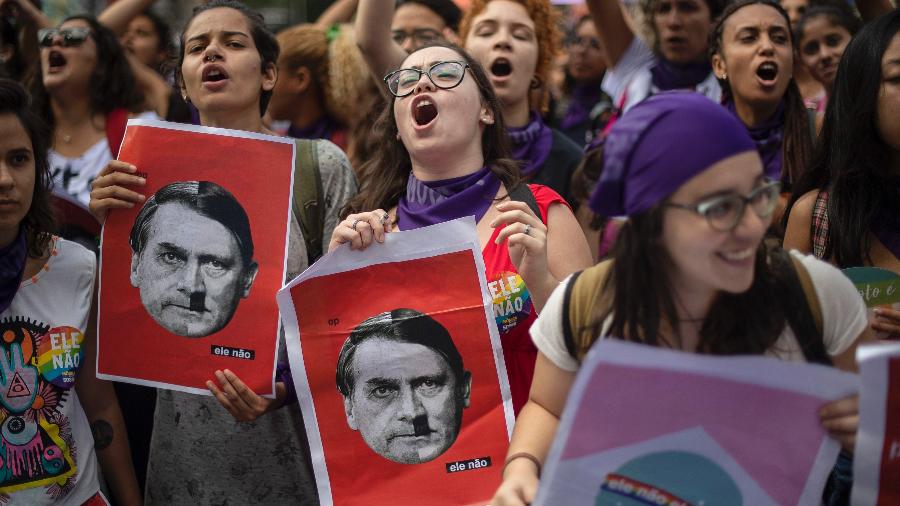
535	83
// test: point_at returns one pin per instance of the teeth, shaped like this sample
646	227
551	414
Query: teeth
423	103
738	255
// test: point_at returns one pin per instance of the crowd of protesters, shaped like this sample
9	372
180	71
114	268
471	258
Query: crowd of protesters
660	156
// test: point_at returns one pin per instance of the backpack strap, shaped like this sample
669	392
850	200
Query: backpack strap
116	121
307	203
811	119
522	193
803	309
819	224
582	297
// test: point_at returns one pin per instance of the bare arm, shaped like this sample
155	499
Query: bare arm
117	16
534	432
612	27
340	11
373	35
567	248
155	89
798	234
29	13
102	409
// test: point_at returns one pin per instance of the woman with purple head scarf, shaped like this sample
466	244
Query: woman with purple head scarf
688	268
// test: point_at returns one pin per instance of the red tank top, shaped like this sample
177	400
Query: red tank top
513	309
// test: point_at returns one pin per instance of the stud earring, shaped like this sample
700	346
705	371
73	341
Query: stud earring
724	76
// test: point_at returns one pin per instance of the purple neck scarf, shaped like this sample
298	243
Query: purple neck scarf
12	267
886	226
321	129
768	137
583	98
675	76
431	202
531	144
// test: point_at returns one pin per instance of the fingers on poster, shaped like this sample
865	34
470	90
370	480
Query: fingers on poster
876	465
189	277
399	370
691	429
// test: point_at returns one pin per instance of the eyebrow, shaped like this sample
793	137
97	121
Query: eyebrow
429	65
206	36
382	382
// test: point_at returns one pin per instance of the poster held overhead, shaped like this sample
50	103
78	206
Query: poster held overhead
648	424
876	463
399	370
188	278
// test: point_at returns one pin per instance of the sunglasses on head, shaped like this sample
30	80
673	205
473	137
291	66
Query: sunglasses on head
70	37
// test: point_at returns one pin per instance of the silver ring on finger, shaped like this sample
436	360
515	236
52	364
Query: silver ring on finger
527	230
355	223
385	218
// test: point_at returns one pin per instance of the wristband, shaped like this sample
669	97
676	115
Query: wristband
522	455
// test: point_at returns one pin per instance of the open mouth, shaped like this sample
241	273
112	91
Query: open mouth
424	111
767	72
501	67
213	74
738	256
56	60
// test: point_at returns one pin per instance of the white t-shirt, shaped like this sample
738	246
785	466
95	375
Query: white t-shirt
73	175
843	318
49	450
630	80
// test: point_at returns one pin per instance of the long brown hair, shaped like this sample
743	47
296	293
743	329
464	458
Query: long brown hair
797	147
383	178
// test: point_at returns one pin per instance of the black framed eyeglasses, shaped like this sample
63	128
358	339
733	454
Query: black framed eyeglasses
73	36
420	36
443	74
723	213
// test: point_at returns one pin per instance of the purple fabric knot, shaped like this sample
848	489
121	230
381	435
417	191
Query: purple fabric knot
675	76
430	202
769	137
531	144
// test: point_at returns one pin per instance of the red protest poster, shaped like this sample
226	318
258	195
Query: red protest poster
397	372
188	279
889	490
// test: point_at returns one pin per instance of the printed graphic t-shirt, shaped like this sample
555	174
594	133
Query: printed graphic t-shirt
513	308
46	448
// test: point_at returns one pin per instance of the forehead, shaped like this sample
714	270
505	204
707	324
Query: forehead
385	358
430	55
143	22
504	11
788	4
819	24
179	225
75	23
411	16
586	29
755	16
737	173
12	133
892	53
224	19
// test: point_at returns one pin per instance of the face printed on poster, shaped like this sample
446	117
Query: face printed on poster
192	257
404	385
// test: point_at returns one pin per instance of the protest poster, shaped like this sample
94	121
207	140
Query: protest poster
188	278
879	288
876	462
399	371
646	425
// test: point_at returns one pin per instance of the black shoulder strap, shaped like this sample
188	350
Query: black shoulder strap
811	119
308	203
568	334
522	193
799	314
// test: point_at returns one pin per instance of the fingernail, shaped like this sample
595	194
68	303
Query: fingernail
877	311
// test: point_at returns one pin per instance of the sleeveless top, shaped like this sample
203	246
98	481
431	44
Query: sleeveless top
47	446
513	308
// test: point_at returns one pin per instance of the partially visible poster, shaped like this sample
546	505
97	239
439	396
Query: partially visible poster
645	425
876	461
879	288
188	278
399	370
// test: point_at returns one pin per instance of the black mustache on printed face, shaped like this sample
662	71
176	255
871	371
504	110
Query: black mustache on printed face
197	303
420	426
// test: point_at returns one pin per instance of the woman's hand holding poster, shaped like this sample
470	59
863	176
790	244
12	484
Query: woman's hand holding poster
188	278
876	466
646	425
399	371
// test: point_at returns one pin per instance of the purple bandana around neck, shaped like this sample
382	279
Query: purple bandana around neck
887	225
432	202
12	267
674	76
583	98
660	144
323	128
768	137
531	144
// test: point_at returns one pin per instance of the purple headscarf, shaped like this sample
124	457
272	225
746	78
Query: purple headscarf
659	145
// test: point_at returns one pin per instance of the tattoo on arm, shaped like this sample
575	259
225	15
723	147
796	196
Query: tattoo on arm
103	434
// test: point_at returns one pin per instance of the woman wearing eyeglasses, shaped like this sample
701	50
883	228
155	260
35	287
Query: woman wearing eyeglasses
690	271
87	92
443	155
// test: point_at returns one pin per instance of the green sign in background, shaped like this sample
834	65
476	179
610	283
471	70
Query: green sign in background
877	286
